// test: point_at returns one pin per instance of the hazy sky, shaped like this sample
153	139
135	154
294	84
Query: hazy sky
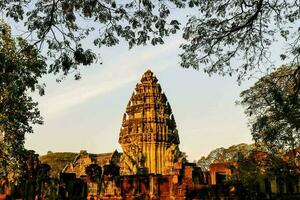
87	114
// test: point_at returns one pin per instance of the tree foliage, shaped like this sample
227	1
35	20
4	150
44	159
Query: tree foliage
221	154
246	176
273	107
236	36
61	26
57	161
257	169
225	37
20	67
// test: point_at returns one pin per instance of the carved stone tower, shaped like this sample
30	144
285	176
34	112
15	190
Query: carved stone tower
148	135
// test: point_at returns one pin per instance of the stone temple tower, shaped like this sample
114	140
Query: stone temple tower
148	135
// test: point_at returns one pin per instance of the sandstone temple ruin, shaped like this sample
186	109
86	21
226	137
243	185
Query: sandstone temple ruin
148	135
151	165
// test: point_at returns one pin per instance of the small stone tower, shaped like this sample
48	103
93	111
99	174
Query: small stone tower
148	135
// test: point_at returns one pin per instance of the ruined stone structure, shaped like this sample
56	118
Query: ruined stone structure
84	159
151	165
148	135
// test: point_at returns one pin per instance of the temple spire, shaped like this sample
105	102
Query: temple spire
148	135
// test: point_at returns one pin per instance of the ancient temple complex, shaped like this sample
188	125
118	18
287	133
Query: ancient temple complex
151	165
148	135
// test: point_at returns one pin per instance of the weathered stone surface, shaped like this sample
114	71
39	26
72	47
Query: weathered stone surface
148	135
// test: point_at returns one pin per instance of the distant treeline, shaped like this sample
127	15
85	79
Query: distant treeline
57	161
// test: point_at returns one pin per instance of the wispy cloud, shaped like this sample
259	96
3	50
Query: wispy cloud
118	72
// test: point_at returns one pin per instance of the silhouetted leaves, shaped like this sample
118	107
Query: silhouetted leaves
235	37
273	107
62	25
230	154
